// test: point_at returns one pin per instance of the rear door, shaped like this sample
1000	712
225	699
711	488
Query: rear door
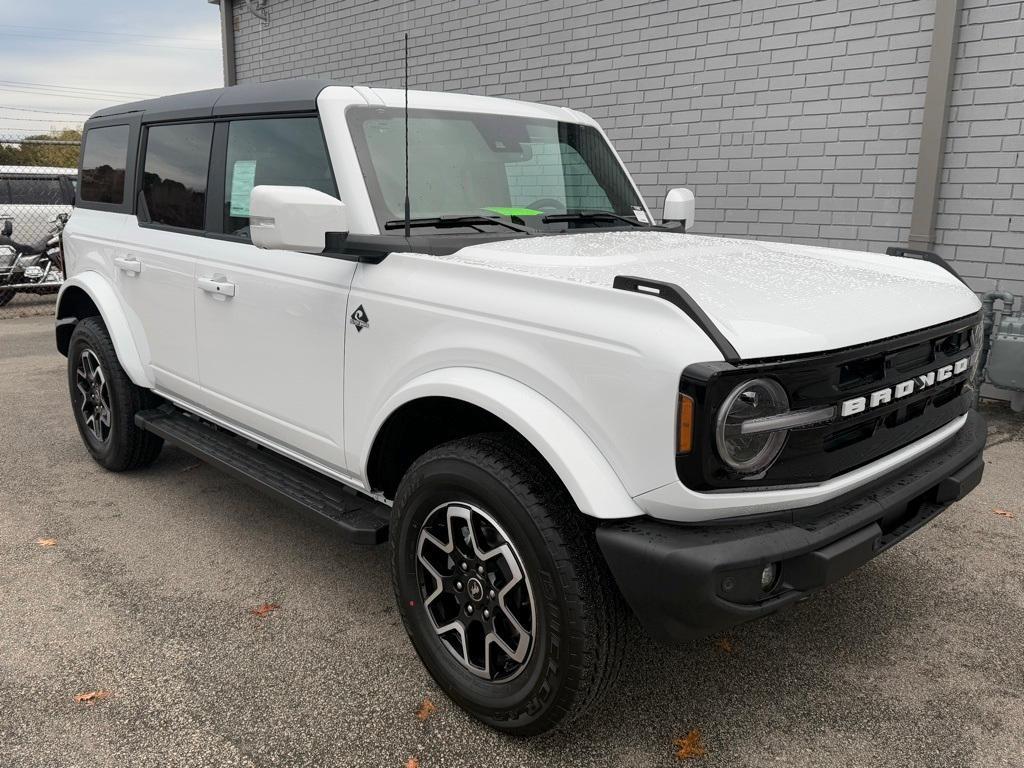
155	269
271	324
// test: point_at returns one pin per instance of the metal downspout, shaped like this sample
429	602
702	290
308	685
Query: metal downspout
227	33
934	121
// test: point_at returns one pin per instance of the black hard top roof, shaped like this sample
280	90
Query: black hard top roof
254	98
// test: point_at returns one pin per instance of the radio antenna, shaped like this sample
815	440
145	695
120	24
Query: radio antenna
407	210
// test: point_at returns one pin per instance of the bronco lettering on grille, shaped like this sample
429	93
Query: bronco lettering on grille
904	388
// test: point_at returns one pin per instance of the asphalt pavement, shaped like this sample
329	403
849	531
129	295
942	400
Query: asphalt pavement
143	585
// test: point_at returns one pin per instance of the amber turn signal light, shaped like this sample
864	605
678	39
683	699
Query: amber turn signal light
685	439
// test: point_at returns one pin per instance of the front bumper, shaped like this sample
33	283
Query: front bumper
687	581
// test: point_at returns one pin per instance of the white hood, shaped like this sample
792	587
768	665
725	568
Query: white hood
769	299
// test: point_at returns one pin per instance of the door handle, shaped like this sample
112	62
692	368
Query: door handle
128	264
218	285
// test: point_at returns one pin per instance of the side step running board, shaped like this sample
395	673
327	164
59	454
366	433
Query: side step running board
360	520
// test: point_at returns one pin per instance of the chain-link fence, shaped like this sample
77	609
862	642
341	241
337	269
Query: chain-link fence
38	179
38	176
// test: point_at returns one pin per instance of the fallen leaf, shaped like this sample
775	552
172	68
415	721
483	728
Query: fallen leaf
725	645
91	697
190	467
46	542
690	746
1001	512
412	762
426	709
263	610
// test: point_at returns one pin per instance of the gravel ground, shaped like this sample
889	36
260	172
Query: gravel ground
28	305
915	660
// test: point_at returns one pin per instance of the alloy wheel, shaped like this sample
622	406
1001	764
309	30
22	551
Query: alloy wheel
92	387
475	591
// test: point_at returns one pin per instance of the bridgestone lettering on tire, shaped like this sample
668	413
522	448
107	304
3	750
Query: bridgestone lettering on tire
479	525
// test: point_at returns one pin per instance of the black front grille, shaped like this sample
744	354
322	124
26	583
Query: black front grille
824	451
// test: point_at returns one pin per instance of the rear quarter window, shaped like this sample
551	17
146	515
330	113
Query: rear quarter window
104	159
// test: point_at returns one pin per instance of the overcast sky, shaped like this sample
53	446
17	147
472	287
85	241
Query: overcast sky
68	56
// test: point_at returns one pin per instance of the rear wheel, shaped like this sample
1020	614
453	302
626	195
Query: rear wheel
500	585
105	401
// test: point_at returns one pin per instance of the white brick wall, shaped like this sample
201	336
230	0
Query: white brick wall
981	201
791	119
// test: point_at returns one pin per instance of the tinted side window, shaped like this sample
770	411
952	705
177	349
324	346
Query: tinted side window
40	191
174	173
103	164
5	194
286	151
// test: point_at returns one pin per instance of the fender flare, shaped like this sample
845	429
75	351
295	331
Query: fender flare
105	298
588	477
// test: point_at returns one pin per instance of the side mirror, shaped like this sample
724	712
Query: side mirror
294	218
680	206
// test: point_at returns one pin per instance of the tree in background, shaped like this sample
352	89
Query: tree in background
25	151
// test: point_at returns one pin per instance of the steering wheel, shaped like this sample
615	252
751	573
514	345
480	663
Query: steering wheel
547	205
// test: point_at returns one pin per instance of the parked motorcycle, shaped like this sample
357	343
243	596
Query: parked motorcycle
36	267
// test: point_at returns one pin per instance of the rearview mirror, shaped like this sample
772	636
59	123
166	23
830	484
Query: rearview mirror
680	206
294	218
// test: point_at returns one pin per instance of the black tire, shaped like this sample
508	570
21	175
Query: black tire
120	445
6	296
579	618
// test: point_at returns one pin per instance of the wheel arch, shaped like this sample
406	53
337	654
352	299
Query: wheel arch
472	400
90	295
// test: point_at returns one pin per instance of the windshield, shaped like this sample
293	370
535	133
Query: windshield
493	166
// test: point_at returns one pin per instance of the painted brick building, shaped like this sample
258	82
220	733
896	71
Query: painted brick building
794	121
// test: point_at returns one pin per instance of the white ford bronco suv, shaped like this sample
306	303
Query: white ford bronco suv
458	327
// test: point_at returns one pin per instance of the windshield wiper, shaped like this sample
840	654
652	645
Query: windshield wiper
448	222
590	216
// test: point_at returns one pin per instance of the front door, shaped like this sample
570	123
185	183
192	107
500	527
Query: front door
270	325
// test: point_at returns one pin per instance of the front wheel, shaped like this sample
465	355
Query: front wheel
6	296
501	588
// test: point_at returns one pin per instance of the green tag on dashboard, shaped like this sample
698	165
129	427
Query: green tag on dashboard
514	211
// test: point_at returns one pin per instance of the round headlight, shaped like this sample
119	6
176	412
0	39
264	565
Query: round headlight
753	452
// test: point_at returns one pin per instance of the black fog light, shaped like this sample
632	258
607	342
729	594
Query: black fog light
769	577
